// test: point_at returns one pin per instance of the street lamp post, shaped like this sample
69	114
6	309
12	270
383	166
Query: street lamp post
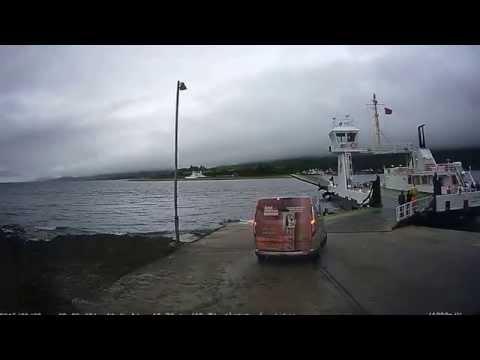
180	86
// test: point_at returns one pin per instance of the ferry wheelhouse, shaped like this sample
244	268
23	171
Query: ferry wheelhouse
343	142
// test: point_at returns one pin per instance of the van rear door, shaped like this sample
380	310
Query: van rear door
283	224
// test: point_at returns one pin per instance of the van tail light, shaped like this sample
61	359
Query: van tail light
254	228
312	222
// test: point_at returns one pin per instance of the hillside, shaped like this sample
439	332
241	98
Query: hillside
469	157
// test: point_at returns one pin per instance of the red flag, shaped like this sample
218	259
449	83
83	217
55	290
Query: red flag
388	111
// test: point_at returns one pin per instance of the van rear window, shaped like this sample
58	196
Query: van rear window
274	207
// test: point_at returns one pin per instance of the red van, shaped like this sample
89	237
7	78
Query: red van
288	226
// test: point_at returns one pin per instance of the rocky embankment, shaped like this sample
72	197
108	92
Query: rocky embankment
49	276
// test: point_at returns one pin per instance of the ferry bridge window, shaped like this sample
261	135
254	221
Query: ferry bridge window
341	137
351	137
409	179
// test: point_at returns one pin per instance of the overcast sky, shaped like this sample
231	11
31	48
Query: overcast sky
81	110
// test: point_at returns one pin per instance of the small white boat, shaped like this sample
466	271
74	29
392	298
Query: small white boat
195	175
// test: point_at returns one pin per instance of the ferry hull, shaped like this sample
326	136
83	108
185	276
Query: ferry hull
400	183
458	202
344	203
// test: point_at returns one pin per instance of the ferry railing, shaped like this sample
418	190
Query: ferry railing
441	168
411	208
374	149
465	189
470	178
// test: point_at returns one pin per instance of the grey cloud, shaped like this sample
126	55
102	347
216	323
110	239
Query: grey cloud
287	113
84	110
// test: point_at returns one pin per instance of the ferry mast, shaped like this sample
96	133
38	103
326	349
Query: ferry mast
376	121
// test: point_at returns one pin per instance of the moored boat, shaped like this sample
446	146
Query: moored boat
421	169
195	175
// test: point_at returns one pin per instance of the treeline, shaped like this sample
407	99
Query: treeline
469	157
289	166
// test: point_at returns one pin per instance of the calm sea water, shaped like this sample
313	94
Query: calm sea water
121	206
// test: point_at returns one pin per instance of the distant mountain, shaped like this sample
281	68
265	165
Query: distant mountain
133	175
469	157
44	179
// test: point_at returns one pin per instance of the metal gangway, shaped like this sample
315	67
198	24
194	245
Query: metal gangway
409	209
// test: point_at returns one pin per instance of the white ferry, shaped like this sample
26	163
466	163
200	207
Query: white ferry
455	189
421	170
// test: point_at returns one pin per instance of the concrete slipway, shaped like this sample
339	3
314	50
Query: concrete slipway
363	270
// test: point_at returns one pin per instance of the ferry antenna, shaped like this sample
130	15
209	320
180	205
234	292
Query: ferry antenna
377	122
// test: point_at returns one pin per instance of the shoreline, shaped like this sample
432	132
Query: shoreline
217	178
50	276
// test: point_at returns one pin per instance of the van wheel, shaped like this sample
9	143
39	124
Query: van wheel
324	242
315	256
261	258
